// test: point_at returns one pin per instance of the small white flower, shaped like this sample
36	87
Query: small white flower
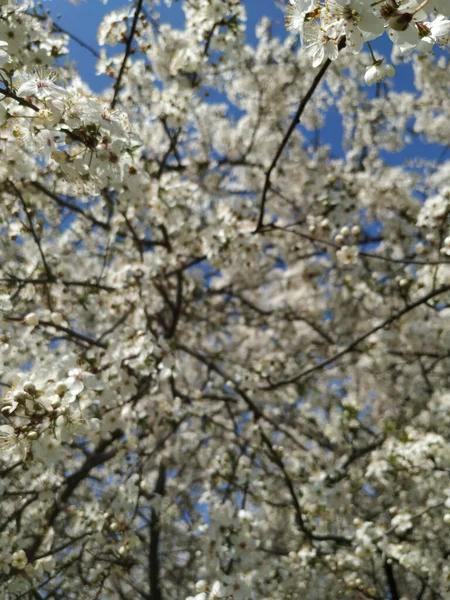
31	319
7	435
19	560
347	255
320	43
355	20
430	33
201	586
78	380
297	12
377	72
402	523
47	449
41	86
439	29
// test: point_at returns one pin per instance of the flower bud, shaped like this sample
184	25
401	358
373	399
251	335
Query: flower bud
377	72
29	388
57	318
31	319
60	388
20	396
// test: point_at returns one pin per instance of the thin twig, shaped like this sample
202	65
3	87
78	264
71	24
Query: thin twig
22	101
127	53
295	121
76	39
65	204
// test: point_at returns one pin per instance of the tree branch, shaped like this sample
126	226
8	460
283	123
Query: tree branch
295	121
389	571
155	529
127	53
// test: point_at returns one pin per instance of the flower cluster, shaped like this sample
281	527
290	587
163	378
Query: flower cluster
47	410
326	26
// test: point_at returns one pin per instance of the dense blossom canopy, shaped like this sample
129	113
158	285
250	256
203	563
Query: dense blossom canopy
224	346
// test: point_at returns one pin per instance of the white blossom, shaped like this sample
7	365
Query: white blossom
378	72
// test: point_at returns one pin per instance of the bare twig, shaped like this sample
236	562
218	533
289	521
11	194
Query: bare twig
76	39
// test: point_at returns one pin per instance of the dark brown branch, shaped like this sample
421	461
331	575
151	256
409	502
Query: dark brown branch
118	323
65	204
74	334
100	455
389	571
295	121
31	228
22	101
176	307
359	452
258	413
155	530
191	263
58	29
14	280
173	141
128	46
134	235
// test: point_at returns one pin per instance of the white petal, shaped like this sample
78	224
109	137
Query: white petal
6	430
29	88
75	386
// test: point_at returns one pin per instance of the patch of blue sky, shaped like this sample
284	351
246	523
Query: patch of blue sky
26	367
369	489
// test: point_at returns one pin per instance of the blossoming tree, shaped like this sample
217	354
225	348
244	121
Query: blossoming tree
225	351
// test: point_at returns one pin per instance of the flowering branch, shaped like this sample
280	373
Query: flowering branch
128	47
8	93
295	121
353	345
